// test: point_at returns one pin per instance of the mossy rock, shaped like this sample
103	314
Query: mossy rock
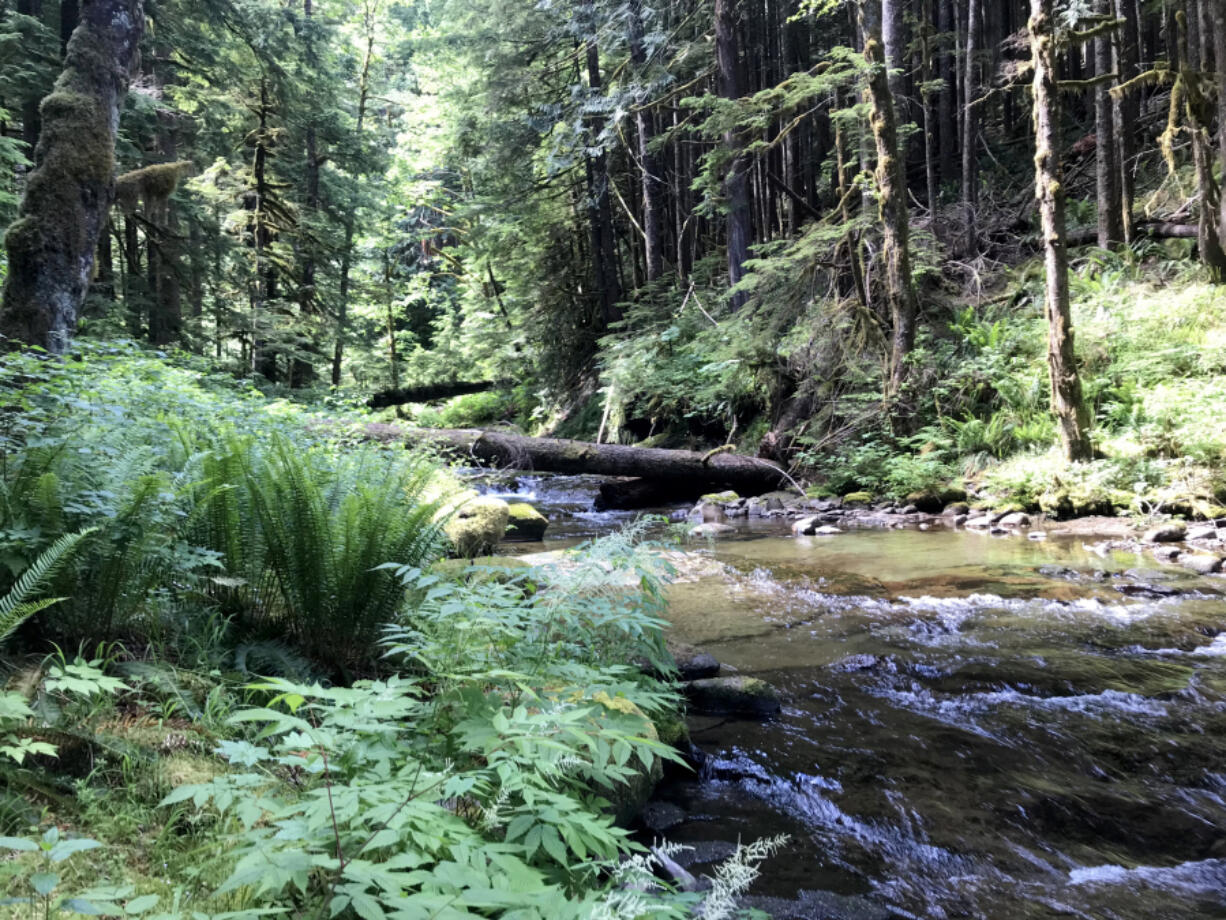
737	696
525	524
928	502
672	730
626	799
726	497
951	494
478	526
857	498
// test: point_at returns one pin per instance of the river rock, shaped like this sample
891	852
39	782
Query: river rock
953	509
1171	532
711	529
980	523
1202	563
961	519
737	696
805	527
692	663
1036	535
478	526
721	498
1015	519
826	530
1166	553
525	523
1204	532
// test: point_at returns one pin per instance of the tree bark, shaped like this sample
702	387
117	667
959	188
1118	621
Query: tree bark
947	119
736	183
970	129
52	244
599	201
747	475
891	200
1066	399
1106	165
1219	52
1127	110
649	164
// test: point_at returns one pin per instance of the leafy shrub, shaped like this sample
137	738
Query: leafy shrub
280	532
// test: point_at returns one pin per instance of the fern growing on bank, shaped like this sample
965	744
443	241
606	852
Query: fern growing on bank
16	606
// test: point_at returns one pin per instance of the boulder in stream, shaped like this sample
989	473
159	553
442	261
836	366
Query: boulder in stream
525	524
692	663
734	696
1171	532
478	526
1202	563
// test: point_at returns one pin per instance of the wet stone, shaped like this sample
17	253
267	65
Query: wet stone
660	816
712	529
692	663
739	695
1016	519
1202	563
1173	532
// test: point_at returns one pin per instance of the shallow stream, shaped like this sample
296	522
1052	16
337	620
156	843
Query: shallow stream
972	726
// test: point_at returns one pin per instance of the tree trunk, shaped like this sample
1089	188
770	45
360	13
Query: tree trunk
1127	110
1198	116
342	307
1106	166
947	134
970	129
736	183
70	16
1067	403
30	122
747	475
68	196
891	200
649	164
599	199
1218	11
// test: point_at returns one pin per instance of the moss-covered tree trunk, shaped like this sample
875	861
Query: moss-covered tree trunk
1219	52
1066	400
891	199
51	245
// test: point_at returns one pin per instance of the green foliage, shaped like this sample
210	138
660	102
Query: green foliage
16	606
185	516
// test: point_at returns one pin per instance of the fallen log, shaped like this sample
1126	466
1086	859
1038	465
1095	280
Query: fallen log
634	494
431	392
1151	229
710	471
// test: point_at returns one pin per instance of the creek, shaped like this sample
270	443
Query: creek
972	726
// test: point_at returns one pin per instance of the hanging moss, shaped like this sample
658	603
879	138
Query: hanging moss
151	184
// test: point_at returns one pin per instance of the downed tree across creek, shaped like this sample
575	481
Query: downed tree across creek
681	474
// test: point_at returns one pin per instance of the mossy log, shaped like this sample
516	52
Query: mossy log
430	393
51	245
689	469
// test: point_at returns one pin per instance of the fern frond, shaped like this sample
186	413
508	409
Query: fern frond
15	606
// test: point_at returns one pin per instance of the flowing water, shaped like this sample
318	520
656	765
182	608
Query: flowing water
972	726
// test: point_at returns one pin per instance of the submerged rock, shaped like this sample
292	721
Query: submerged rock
738	695
525	523
711	529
